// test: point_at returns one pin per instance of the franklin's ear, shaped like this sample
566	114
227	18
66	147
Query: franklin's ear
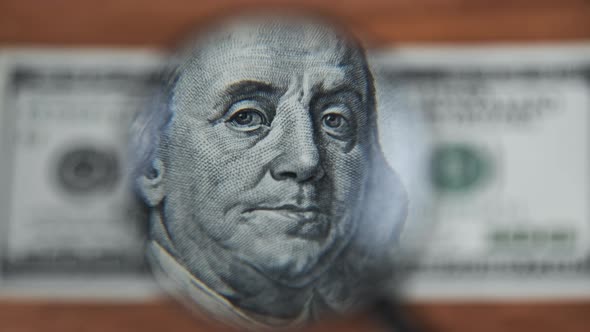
151	186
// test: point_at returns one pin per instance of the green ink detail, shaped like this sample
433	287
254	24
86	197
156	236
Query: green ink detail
458	168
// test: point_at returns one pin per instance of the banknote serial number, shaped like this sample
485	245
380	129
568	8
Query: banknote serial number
553	239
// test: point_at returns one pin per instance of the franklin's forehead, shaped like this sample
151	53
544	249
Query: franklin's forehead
301	39
274	51
297	36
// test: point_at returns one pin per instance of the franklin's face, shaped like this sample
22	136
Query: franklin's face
267	152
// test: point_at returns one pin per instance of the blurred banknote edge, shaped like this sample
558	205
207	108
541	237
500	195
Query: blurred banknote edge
500	184
70	225
470	130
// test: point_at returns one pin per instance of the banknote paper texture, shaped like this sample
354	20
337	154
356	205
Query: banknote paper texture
491	144
67	212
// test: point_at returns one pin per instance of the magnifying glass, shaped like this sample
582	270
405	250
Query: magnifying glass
272	200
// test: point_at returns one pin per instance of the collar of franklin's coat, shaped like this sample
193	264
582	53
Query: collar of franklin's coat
179	281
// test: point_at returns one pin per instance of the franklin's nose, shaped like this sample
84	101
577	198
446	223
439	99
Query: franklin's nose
300	158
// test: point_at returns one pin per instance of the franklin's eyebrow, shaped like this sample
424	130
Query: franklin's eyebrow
247	87
340	89
234	91
341	82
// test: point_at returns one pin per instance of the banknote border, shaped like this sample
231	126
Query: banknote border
447	61
140	62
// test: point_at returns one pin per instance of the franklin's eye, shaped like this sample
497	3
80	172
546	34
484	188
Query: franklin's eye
336	124
246	117
333	120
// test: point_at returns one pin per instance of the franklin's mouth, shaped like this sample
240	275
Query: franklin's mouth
296	220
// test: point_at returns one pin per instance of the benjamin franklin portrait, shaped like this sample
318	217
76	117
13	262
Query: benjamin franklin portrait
270	200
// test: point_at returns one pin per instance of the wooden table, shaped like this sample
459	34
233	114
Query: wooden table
130	23
168	316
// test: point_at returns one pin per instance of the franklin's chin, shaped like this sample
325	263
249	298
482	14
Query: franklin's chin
299	256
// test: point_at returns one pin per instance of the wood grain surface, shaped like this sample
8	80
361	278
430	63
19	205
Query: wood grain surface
378	22
132	23
169	316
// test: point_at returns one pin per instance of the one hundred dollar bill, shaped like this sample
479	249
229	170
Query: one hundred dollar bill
490	142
